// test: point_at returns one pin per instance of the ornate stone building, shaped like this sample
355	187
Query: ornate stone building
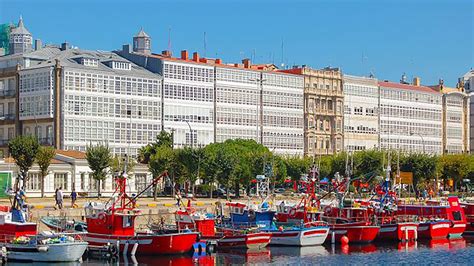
323	110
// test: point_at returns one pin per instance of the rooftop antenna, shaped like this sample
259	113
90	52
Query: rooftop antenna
205	45
169	38
363	59
282	54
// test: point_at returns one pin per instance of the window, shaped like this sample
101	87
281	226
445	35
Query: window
83	181
33	183
60	180
92	183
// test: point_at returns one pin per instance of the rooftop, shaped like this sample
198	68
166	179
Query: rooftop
48	55
72	154
395	85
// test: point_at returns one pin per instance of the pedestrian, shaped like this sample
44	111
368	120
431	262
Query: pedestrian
178	198
56	199
59	197
73	198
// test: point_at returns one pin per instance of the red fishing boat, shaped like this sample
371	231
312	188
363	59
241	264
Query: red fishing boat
115	224
352	222
436	215
469	212
227	235
13	224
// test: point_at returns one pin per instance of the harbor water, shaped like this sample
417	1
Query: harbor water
431	252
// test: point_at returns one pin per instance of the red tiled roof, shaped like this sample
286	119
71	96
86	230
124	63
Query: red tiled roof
72	154
212	63
11	160
395	85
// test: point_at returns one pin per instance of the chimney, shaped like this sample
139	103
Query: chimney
246	63
184	55
441	82
236	65
126	48
38	44
218	61
166	53
64	46
195	57
203	60
416	81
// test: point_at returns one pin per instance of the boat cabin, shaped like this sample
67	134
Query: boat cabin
242	215
10	228
104	221
451	211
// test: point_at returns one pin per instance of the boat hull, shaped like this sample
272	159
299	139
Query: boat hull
355	233
62	252
434	230
398	231
457	229
246	241
300	237
148	244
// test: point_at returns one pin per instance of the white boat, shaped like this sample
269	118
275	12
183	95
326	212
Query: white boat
41	249
306	236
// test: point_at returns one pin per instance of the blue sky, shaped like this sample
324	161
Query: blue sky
428	38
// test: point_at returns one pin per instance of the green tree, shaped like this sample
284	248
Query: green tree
163	139
118	163
23	149
99	159
368	161
296	166
43	159
191	160
455	166
422	165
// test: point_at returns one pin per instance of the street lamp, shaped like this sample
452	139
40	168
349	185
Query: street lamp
260	80
190	132
422	139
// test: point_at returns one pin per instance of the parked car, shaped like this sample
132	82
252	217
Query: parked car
219	193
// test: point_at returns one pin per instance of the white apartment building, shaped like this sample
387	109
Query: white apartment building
410	117
361	113
72	98
266	106
207	101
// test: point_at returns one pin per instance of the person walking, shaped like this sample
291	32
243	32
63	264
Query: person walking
59	198
73	198
56	205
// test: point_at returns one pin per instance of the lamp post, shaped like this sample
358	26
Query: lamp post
260	80
190	132
422	139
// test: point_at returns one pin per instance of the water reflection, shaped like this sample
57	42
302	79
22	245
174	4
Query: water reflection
458	250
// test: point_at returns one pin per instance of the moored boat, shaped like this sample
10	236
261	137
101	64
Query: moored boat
63	224
469	212
243	239
115	224
398	231
450	211
299	236
46	248
434	229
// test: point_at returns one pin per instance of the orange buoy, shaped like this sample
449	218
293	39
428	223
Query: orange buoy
280	228
344	240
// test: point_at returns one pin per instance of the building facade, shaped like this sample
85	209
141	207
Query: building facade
361	113
207	101
323	110
72	98
456	124
70	170
410	117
